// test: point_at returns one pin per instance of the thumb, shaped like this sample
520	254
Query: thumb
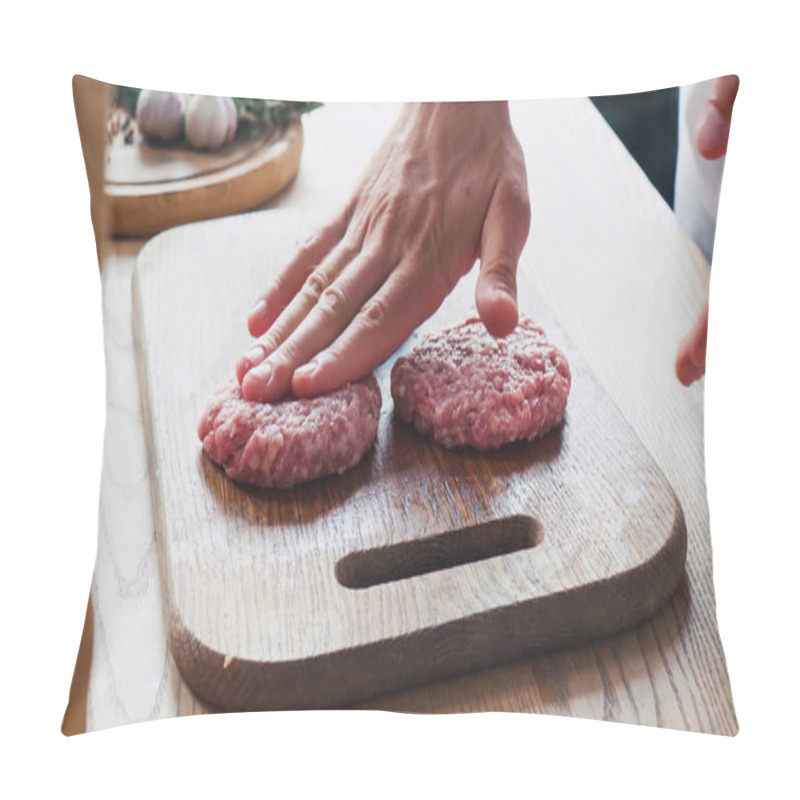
715	124
505	230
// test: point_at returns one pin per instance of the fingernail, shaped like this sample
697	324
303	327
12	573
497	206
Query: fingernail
688	372
307	370
255	355
262	372
258	308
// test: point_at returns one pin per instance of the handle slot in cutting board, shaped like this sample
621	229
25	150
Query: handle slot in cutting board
439	552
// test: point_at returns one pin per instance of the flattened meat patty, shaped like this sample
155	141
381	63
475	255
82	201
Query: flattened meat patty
294	440
464	387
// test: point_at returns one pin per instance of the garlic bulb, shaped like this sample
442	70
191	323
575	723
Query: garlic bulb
210	121
159	115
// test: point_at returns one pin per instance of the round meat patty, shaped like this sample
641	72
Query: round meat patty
292	441
464	387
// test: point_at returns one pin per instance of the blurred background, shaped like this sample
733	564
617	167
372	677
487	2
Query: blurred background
647	124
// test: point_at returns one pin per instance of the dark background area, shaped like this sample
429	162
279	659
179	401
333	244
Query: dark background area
647	124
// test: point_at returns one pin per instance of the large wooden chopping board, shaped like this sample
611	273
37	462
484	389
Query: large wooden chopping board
417	564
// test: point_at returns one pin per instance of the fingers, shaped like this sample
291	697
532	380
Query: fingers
290	317
690	364
715	124
291	278
313	328
505	230
294	311
255	355
253	364
382	325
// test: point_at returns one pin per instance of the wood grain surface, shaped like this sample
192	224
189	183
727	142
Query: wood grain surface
356	585
142	163
91	100
168	186
603	240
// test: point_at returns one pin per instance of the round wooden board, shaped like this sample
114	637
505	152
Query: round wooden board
150	189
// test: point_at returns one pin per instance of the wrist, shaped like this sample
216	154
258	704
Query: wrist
489	119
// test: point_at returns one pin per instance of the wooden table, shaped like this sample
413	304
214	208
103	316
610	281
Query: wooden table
615	268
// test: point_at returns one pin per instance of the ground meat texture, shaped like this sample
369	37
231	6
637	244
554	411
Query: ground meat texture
464	387
292	441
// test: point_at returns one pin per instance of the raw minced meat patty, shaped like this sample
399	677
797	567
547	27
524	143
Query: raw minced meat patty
294	440
464	387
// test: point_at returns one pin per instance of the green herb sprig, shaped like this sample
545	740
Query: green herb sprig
279	113
125	97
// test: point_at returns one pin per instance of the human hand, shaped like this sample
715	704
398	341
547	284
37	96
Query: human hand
712	142
447	186
715	124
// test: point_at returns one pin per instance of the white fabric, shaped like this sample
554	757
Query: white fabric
697	180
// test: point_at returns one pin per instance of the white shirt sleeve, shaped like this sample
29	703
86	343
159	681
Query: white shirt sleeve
697	180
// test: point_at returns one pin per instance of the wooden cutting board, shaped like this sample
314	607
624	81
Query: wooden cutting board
418	563
149	188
